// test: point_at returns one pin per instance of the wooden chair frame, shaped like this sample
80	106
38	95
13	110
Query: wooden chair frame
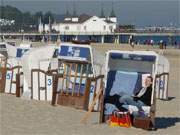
73	99
3	73
19	88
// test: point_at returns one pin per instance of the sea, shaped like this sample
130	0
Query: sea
169	40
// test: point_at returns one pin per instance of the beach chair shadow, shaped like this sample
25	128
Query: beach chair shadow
169	99
165	122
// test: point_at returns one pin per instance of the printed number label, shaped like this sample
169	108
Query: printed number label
8	76
161	84
49	82
92	89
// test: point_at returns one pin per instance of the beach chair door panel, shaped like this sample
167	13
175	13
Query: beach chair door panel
161	86
72	85
10	86
49	81
41	85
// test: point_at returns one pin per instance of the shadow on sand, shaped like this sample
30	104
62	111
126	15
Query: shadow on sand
165	122
169	99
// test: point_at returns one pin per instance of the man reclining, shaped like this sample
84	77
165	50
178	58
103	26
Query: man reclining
141	98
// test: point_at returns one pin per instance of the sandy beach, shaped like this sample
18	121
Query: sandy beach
30	117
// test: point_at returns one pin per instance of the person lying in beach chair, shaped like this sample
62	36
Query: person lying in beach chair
138	103
141	98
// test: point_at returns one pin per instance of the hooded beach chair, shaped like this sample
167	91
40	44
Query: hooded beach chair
125	73
37	78
77	81
14	67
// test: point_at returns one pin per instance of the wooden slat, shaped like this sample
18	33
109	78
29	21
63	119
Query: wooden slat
75	77
38	86
163	94
95	87
167	85
64	76
18	89
55	84
81	74
68	78
45	86
31	84
87	115
3	70
11	80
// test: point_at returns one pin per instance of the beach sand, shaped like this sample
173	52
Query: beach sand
29	117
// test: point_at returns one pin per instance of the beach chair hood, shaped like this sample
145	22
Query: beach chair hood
98	62
163	65
11	50
32	60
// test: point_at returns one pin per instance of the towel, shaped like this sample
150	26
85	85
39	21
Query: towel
124	82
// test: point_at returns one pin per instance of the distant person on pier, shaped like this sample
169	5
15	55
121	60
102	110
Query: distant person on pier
151	42
175	44
161	44
164	44
131	41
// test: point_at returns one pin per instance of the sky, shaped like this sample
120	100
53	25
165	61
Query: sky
137	12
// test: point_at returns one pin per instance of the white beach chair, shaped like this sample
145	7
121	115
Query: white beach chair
125	71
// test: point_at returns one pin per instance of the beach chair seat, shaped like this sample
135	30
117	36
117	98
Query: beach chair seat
122	82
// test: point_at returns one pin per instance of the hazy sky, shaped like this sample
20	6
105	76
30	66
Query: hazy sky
137	12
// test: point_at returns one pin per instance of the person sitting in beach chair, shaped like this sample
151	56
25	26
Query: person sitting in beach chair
141	98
